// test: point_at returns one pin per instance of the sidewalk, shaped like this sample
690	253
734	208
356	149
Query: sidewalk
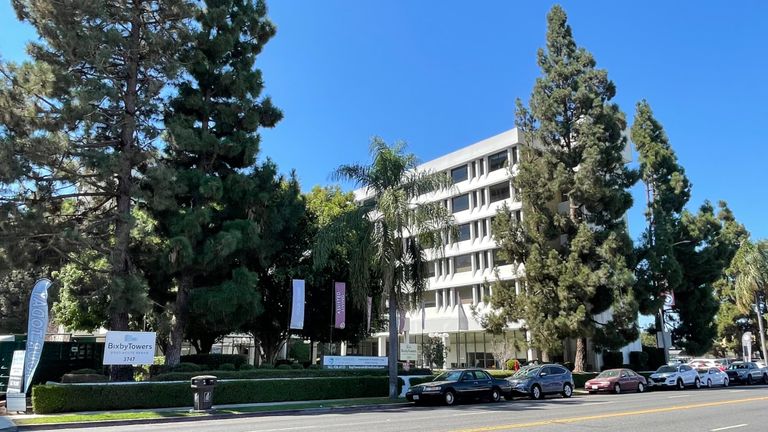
88	419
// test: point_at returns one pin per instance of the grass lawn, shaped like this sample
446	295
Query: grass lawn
144	415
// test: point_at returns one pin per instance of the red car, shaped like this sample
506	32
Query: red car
617	381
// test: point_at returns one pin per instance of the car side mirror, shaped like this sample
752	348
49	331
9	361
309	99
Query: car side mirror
543	374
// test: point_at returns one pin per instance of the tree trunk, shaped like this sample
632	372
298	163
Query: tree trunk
580	362
121	267
393	337
544	356
760	326
179	321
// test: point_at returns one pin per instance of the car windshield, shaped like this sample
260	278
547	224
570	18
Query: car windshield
666	369
448	376
608	374
527	373
703	371
738	366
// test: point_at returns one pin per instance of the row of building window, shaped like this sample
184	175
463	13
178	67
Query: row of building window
475	261
477	198
476	168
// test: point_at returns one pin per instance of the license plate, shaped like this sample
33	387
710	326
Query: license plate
594	387
415	397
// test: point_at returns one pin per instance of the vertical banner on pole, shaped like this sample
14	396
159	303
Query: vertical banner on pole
339	302
297	306
36	328
368	317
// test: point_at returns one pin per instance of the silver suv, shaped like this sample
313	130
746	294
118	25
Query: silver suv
539	380
676	376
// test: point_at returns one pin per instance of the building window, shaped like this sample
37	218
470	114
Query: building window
463	232
472	169
429	268
515	155
518	216
460	203
499	192
462	263
480	167
479	260
485	224
459	174
497	161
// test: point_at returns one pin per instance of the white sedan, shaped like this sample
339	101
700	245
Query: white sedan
713	377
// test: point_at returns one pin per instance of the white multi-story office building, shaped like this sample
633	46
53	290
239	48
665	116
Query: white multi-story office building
461	276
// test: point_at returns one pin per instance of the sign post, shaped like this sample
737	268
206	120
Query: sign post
16	399
129	348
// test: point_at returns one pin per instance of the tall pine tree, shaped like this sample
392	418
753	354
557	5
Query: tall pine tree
572	240
85	119
204	194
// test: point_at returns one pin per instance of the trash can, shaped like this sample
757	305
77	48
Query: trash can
202	386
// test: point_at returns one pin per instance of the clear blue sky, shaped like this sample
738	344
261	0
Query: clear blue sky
445	74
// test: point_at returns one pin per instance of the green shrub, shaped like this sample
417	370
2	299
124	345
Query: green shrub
274	373
283	366
227	367
246	367
313	366
655	357
266	366
186	367
500	373
580	378
214	361
297	366
48	399
612	359
85	371
83	378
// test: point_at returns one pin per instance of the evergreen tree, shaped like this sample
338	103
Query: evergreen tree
85	118
204	199
707	242
577	260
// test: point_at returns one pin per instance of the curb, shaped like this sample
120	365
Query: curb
83	425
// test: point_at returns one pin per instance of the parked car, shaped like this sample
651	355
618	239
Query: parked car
746	373
713	376
703	363
454	385
617	381
540	380
677	376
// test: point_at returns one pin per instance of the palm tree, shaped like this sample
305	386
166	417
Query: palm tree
749	270
388	233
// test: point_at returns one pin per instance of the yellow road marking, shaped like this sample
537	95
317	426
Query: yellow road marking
610	415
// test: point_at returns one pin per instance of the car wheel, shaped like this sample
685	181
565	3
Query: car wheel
449	398
640	388
697	383
725	382
749	379
765	379
617	389
567	390
536	392
495	395
709	383
680	384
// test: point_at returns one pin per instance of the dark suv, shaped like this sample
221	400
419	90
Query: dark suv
537	381
746	373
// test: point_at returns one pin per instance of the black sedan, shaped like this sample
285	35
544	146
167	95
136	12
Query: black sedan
454	385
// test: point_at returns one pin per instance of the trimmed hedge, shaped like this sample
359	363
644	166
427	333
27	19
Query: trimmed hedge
272	373
83	378
214	361
48	399
580	378
612	359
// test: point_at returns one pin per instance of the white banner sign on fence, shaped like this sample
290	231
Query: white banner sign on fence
354	362
129	348
409	351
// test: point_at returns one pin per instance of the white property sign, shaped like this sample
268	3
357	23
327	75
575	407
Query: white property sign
408	351
354	362
129	348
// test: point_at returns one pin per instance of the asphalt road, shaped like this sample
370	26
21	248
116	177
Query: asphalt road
724	409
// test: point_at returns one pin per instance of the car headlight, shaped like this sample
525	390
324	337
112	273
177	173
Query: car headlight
430	389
